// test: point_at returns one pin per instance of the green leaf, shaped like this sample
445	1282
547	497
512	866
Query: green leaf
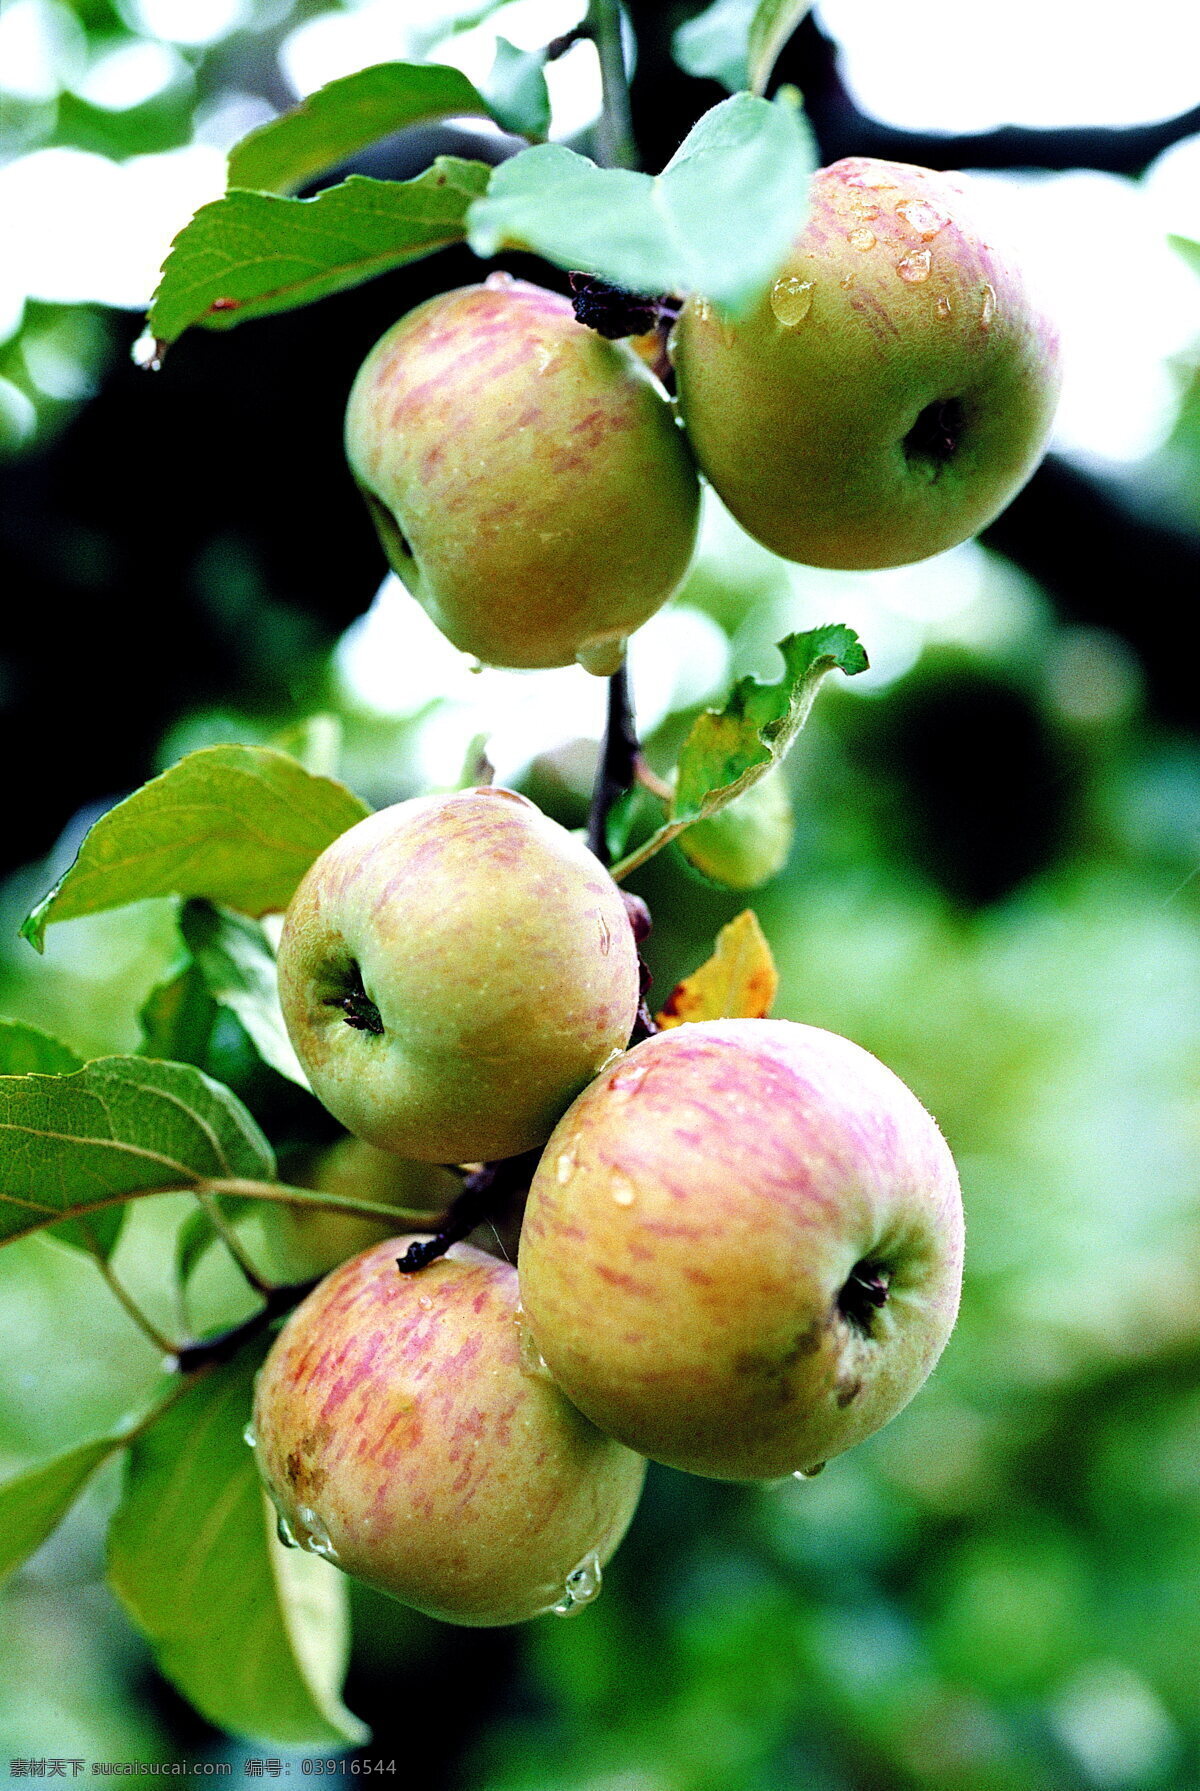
517	91
177	1017
253	1634
772	25
1183	245
35	1503
253	254
27	1050
714	45
729	749
193	1239
237	824
345	116
77	1146
238	966
718	220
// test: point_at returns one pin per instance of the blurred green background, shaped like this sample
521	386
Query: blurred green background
992	884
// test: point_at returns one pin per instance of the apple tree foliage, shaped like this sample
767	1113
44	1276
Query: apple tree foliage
253	1634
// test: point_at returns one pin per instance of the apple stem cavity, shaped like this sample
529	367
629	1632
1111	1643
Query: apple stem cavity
865	1291
934	437
485	1193
358	1008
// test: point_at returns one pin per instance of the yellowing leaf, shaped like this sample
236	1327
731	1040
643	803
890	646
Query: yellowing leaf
738	982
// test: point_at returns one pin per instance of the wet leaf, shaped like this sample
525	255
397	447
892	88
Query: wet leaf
345	116
719	219
730	749
255	1635
739	981
237	824
253	254
33	1504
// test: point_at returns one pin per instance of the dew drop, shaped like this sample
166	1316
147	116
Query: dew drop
818	1467
284	1532
623	1191
475	666
533	1362
988	308
250	1436
499	281
944	308
627	1082
791	300
847	285
925	219
424	1301
866	209
564	1169
915	267
862	239
148	353
314	1535
703	310
875	183
582	1587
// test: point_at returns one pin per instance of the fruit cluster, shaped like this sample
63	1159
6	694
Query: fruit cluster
741	1251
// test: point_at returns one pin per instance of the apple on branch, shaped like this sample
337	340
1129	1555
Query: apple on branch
742	1250
452	971
893	390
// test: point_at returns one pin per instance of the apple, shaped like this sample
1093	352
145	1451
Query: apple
742	1249
407	1432
452	971
748	842
528	479
306	1240
890	394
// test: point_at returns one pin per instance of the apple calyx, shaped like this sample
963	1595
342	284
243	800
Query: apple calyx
357	1007
613	311
865	1291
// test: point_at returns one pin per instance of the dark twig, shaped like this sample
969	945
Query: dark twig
485	1190
617	769
226	1344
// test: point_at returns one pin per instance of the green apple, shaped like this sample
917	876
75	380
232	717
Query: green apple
742	1249
890	394
453	970
406	1431
306	1240
528	479
747	843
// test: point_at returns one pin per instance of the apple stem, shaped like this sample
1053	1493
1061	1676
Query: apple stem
616	772
483	1193
614	133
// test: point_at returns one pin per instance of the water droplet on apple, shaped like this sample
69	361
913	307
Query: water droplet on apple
925	219
791	300
424	1301
915	267
866	209
627	1082
564	1169
250	1436
703	310
285	1532
988	308
876	183
818	1467
476	666
623	1191
862	239
582	1587
847	285
944	308
314	1536
499	281
533	1362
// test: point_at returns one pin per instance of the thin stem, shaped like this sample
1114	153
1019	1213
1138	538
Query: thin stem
230	1239
614	134
144	1324
617	768
483	1193
190	1358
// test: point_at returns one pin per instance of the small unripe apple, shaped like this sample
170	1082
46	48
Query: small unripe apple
306	1240
890	394
406	1431
528	479
452	971
746	844
742	1249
